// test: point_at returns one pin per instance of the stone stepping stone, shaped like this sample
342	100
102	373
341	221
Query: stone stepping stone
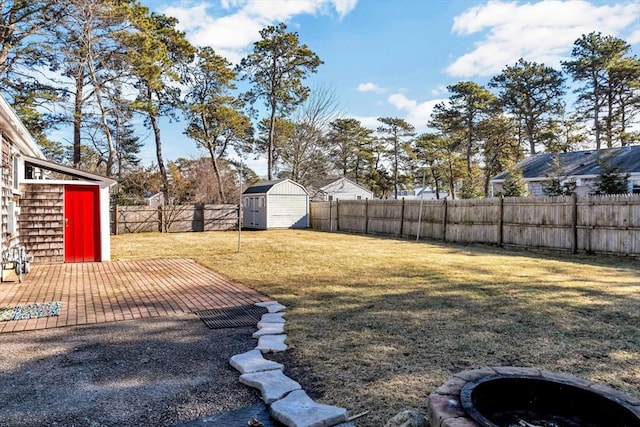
273	385
298	410
262	324
252	361
272	306
269	329
272	343
273	318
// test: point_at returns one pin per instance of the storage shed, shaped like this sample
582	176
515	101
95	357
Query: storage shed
58	213
275	204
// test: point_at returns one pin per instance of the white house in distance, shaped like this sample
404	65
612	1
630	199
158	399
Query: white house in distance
326	190
275	204
579	167
58	213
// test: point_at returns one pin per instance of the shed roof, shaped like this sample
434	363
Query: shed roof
67	170
262	187
266	186
579	163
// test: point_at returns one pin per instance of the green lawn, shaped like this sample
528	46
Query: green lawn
377	324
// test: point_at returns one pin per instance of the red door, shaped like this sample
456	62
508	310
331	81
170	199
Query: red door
81	223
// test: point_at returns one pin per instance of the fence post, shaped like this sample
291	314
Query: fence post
402	218
574	223
337	215
366	216
115	220
444	222
330	216
500	219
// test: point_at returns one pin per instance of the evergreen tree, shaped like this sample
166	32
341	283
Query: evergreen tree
276	69
514	184
557	183
610	180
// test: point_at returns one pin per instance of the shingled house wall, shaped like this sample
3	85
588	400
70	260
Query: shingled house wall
42	222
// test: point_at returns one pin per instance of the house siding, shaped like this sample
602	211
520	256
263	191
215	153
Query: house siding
9	198
42	222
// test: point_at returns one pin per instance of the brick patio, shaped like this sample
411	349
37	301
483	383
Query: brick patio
121	290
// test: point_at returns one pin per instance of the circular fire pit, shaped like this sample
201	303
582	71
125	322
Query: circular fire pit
526	397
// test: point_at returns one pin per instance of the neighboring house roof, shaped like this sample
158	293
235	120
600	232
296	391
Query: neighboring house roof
16	131
320	184
578	163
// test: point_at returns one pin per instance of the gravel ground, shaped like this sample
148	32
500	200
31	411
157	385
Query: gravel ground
151	372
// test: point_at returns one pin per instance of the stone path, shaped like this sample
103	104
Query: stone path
288	403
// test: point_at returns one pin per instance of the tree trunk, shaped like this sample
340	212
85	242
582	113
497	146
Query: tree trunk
596	108
216	171
153	120
77	116
452	191
272	126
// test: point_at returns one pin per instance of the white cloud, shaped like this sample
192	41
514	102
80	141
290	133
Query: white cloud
543	32
369	122
370	87
439	90
418	114
234	25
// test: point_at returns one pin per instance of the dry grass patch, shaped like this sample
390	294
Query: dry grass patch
377	324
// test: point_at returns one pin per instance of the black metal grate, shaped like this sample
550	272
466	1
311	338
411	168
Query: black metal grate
232	317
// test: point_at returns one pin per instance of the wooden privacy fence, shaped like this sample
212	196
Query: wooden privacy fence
173	219
593	224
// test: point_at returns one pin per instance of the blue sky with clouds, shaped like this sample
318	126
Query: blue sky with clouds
394	58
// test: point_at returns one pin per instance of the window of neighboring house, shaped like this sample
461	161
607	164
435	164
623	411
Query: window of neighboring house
330	198
636	186
359	198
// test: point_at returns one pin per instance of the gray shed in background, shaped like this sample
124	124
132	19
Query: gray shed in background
275	204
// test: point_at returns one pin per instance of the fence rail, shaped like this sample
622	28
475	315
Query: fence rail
173	219
592	224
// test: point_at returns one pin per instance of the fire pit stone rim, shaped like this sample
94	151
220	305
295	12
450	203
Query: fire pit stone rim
447	405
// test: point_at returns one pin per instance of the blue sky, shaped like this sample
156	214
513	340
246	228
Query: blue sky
394	58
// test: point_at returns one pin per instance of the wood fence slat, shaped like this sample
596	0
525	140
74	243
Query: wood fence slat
599	224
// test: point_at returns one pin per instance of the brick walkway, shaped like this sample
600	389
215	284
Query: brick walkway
121	290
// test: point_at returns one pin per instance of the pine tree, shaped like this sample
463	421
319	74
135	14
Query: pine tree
514	184
611	180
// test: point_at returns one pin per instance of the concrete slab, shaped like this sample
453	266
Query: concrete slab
273	385
269	329
272	343
272	306
273	318
252	361
298	410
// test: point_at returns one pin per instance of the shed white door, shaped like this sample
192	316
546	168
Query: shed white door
255	217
